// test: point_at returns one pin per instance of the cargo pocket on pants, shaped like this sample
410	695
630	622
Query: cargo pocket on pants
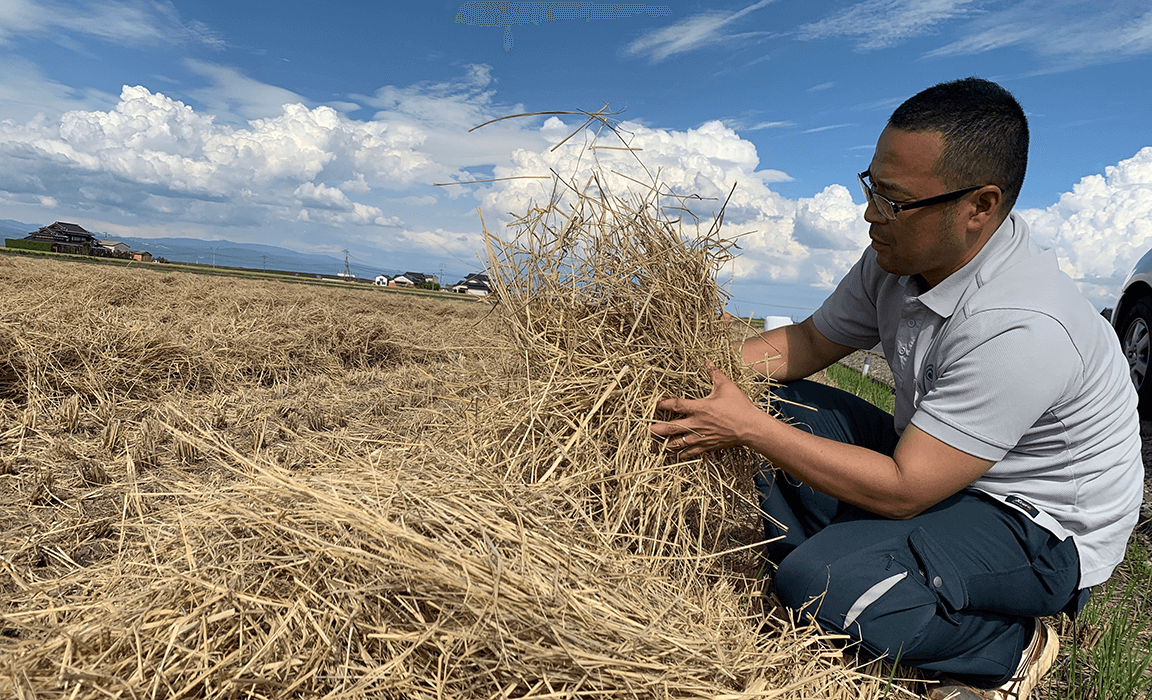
940	575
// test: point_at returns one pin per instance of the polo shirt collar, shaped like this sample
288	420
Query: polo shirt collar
943	299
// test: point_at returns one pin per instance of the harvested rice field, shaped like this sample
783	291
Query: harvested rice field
213	488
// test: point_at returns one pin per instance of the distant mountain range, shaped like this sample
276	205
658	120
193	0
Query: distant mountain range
10	228
228	253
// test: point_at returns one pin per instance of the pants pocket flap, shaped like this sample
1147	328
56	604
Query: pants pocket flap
939	572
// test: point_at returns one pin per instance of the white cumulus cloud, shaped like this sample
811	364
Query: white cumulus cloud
155	141
830	220
314	195
312	175
1102	227
811	241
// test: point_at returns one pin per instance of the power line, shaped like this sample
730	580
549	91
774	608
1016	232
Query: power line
809	309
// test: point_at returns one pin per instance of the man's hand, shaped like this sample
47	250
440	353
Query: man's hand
922	472
725	418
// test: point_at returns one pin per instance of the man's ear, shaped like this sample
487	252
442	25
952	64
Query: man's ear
988	201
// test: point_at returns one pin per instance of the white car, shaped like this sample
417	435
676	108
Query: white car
1132	319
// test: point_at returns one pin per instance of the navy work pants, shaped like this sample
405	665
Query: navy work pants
953	590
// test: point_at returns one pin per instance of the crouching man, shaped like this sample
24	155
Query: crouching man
1009	479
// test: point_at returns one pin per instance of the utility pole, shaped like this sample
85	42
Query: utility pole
213	256
347	270
265	262
440	279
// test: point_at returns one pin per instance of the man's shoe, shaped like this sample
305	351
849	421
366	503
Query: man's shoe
1037	658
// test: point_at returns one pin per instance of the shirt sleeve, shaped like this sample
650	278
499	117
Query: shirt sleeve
995	380
849	316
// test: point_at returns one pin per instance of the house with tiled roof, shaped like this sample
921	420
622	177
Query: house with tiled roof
476	284
65	238
409	279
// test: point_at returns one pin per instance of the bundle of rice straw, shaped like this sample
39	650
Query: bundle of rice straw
613	305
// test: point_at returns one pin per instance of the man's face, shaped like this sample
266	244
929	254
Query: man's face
927	241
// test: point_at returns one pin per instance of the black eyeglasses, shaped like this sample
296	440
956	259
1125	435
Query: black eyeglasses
890	209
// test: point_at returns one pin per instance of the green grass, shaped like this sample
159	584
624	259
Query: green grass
1109	654
870	390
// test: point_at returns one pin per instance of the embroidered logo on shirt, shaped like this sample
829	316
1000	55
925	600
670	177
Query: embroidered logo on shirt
1023	505
930	374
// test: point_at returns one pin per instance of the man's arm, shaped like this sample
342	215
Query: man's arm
922	472
792	352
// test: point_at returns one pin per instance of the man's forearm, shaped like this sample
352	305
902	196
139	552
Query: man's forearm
855	475
791	352
921	472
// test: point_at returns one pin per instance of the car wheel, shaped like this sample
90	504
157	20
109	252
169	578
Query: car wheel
1136	342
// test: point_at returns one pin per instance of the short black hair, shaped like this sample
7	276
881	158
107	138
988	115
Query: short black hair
983	129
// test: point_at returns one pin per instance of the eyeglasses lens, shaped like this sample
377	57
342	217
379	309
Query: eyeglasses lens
882	205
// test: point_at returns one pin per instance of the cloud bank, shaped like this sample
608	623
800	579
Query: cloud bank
811	241
1102	227
165	148
310	174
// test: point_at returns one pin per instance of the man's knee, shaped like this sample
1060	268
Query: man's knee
836	414
800	580
870	595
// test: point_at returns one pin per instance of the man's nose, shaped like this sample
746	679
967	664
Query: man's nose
872	215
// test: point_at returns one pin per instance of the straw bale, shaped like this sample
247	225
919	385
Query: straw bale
613	305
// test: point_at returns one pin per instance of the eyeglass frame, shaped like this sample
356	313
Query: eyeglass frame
870	193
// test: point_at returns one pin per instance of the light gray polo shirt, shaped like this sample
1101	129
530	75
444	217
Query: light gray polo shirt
1006	361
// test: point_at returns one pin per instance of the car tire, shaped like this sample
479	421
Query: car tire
1136	344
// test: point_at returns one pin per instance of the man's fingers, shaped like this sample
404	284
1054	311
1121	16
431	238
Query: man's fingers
674	405
716	375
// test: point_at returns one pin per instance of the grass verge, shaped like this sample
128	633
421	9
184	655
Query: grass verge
1106	652
870	390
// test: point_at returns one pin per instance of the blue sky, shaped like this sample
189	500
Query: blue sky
324	126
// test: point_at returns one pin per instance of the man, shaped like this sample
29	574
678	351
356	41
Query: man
1010	477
